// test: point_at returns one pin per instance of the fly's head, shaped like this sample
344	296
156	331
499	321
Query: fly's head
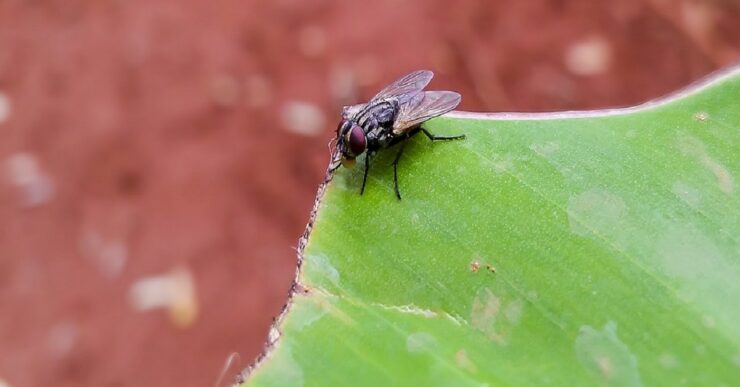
351	142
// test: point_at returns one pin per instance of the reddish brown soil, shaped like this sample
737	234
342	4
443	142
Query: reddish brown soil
158	133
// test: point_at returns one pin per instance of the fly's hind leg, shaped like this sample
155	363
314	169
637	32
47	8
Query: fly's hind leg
395	169
433	138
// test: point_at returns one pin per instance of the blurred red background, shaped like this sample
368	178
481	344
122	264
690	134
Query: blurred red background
138	138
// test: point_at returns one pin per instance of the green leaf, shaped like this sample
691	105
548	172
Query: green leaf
613	236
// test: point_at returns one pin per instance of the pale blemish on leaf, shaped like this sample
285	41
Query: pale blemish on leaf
291	373
420	342
486	307
463	361
668	360
691	146
596	213
546	149
499	163
494	317
687	254
513	311
736	360
321	264
688	194
688	257
606	357
318	305
502	166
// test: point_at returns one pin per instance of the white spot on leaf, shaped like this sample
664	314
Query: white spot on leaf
463	361
606	357
291	373
322	265
420	342
545	150
316	307
596	212
487	312
513	311
688	194
691	146
668	360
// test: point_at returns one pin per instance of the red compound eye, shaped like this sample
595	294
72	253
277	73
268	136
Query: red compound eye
357	141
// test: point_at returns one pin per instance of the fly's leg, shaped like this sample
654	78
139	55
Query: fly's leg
395	170
441	138
364	177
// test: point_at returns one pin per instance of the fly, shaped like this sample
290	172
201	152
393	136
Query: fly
393	116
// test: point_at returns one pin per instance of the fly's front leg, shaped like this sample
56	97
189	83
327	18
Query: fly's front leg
441	138
364	177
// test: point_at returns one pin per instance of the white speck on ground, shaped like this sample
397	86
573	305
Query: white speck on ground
343	84
589	56
4	107
110	256
225	90
25	173
174	291
257	91
303	118
312	41
62	338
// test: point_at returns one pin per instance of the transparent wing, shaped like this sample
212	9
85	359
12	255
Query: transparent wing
424	106
406	87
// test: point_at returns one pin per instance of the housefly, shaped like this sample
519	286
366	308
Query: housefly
391	117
